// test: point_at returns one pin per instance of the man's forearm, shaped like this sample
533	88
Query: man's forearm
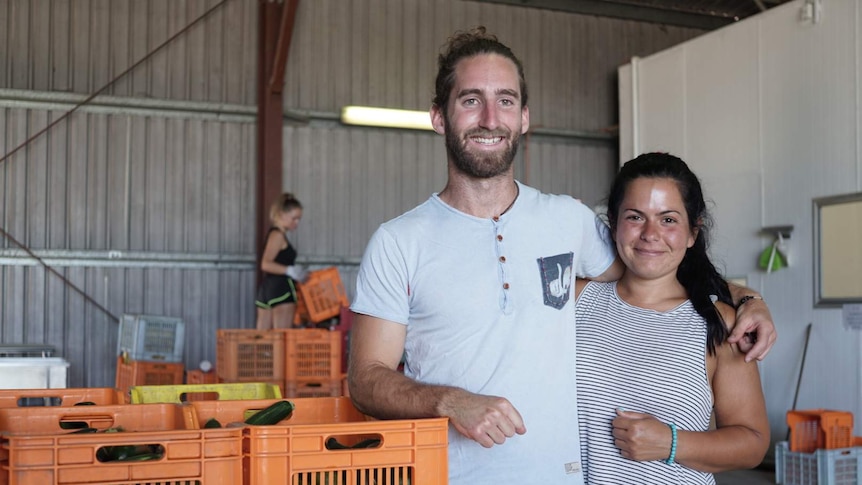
388	394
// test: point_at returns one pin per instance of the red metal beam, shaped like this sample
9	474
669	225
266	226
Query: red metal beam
285	34
269	118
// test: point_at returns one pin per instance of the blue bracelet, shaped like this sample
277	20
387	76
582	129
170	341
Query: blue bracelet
672	455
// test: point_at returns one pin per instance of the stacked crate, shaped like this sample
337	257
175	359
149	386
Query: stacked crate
821	450
187	393
150	351
244	355
316	370
162	438
313	365
197	376
304	362
328	441
44	445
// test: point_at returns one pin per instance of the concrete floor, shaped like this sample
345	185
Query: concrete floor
758	476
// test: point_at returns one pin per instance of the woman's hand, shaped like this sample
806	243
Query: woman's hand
297	273
641	437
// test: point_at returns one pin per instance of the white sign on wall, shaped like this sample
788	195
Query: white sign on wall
852	316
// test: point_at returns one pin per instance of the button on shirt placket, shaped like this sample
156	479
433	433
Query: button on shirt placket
505	274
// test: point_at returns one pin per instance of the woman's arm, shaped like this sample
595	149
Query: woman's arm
741	437
275	242
579	286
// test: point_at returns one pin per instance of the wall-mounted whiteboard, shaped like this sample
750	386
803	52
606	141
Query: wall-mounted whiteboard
838	250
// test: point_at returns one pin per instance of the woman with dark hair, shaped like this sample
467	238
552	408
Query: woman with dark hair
654	365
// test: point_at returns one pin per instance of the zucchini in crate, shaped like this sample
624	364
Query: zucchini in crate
212	423
271	414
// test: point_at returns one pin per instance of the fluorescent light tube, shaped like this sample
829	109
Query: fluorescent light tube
390	118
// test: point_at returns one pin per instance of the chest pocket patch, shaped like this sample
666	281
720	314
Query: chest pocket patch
556	274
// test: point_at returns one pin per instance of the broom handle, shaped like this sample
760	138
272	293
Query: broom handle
801	367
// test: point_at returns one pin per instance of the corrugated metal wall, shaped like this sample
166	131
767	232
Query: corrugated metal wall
145	207
80	45
384	53
145	198
143	214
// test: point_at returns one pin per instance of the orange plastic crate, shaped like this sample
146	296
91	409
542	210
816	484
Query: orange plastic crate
36	450
197	376
248	355
815	429
301	316
345	324
333	388
141	373
313	355
13	398
293	452
323	294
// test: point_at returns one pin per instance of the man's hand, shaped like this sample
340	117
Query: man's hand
641	437
488	420
754	332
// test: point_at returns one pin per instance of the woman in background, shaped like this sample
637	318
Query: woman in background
653	362
276	297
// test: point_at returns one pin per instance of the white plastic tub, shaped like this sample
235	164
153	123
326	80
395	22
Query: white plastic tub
32	373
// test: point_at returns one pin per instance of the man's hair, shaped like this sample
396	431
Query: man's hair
468	44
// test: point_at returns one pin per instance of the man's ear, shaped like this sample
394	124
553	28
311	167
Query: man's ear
438	121
525	120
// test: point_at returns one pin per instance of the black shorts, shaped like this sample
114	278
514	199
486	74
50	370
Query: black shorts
275	290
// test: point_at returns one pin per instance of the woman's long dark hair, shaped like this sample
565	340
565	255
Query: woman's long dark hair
696	272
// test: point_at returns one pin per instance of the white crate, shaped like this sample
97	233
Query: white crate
151	338
32	373
840	466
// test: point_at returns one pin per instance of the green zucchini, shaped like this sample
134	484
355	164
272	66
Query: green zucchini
212	423
271	414
333	444
115	453
369	443
129	453
141	457
74	425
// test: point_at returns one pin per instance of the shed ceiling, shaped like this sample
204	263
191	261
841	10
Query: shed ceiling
702	14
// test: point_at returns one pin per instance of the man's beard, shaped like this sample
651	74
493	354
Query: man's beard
480	166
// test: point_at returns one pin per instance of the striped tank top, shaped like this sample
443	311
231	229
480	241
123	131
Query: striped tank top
638	360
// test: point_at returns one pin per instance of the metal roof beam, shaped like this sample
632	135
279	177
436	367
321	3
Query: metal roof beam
624	11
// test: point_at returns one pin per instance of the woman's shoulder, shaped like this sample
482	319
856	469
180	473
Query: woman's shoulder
582	283
728	314
276	235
